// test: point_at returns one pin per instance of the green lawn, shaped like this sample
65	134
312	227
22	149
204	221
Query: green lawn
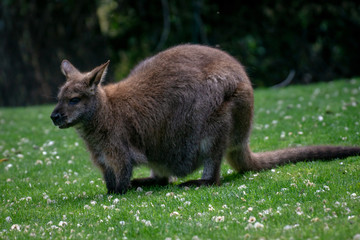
51	190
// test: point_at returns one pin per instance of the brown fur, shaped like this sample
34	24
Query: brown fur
184	108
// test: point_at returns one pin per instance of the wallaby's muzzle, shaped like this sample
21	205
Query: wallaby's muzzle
58	119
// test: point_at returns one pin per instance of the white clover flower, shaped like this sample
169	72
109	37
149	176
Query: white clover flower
315	219
15	227
122	223
252	219
258	225
116	201
8	219
356	237
289	227
211	208
62	224
218	218
282	135
174	214
39	162
249	226
309	184
8	167
108	207
54	227
87	207
299	211
93	202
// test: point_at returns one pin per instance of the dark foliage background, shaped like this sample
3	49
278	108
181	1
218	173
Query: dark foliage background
316	40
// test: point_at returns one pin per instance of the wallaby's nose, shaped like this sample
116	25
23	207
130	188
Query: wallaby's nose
55	116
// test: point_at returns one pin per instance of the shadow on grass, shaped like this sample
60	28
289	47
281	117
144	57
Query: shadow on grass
100	194
232	177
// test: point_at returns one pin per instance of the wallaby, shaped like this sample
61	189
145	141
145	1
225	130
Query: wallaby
186	107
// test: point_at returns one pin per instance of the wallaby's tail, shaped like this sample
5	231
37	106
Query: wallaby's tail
239	155
257	161
271	159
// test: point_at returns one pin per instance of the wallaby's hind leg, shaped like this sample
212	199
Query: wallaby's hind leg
210	176
238	154
212	149
153	180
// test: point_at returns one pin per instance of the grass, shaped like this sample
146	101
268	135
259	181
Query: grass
50	189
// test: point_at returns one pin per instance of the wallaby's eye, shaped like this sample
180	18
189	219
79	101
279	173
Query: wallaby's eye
74	101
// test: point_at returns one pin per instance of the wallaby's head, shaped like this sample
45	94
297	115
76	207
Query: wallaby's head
78	97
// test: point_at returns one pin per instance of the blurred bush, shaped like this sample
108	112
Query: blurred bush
316	40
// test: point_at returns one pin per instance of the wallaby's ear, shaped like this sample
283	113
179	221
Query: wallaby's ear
67	68
97	75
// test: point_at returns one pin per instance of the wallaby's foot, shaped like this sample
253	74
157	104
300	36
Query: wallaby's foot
199	183
149	181
117	191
